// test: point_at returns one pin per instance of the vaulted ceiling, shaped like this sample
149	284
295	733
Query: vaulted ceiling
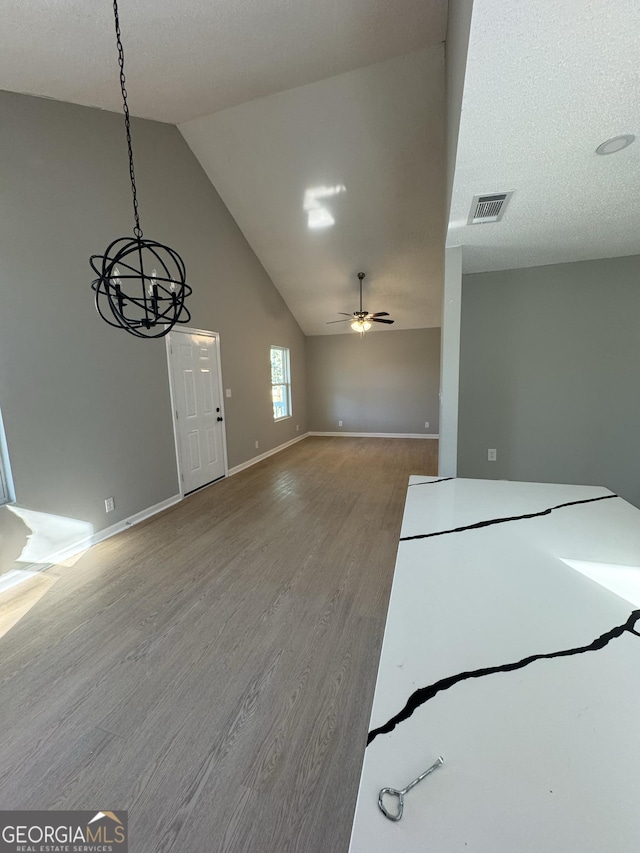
364	151
341	102
189	58
279	99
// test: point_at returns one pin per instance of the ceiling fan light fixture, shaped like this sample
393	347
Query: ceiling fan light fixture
361	321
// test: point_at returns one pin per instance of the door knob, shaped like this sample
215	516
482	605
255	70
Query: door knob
219	418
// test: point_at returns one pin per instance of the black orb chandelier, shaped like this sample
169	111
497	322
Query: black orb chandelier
141	285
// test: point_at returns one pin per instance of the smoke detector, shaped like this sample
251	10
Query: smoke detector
488	208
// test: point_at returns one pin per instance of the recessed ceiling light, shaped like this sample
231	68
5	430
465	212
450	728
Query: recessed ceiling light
616	143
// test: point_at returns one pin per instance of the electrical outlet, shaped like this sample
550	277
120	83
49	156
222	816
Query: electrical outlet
257	444
426	424
297	427
109	504
228	392
491	454
339	423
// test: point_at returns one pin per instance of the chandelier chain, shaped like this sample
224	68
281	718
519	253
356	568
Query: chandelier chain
127	121
140	284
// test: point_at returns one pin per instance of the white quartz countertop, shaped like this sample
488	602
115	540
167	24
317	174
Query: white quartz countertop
509	649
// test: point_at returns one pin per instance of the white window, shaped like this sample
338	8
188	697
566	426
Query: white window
280	383
5	479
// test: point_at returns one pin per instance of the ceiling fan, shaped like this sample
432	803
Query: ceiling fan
361	320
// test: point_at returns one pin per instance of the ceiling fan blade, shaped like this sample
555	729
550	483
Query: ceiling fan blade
380	314
344	314
329	322
380	320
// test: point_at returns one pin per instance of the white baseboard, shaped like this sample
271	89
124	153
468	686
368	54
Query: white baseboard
378	434
15	577
82	544
255	459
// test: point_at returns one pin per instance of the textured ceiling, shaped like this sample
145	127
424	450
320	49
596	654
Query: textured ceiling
546	82
191	58
377	134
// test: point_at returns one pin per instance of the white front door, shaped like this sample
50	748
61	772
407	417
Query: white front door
197	400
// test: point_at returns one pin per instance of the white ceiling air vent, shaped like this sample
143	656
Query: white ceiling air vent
488	208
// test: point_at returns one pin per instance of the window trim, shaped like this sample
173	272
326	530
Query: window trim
286	384
6	482
4	491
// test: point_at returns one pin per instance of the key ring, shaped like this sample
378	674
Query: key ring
392	792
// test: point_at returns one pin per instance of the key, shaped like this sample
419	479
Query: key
399	795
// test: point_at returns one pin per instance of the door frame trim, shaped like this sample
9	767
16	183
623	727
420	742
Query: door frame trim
208	333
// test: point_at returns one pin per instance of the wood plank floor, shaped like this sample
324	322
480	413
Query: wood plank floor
212	670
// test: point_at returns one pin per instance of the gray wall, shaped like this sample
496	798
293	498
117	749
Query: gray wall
384	382
86	407
549	374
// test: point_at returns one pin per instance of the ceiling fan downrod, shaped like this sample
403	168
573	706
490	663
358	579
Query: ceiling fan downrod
361	320
361	277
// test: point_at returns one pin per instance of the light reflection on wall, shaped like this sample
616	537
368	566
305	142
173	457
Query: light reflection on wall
49	536
29	542
319	215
